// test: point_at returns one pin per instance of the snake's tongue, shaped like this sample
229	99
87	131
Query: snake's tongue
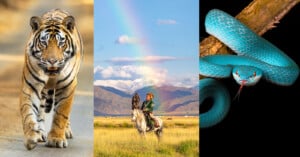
243	82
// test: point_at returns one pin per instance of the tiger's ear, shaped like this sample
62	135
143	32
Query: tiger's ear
35	23
69	22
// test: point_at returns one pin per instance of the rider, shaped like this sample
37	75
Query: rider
135	101
147	108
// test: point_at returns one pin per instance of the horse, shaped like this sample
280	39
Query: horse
141	125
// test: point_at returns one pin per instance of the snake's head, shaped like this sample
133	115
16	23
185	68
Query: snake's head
246	75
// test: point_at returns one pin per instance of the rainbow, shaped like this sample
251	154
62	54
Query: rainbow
132	26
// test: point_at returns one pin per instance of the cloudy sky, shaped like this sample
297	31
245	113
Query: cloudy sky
139	43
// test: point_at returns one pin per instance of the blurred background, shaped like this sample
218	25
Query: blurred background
14	33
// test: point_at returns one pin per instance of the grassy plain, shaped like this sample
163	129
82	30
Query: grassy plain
117	136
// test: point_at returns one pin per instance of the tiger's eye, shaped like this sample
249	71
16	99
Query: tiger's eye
61	43
43	42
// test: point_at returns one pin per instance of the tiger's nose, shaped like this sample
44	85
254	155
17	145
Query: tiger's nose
52	60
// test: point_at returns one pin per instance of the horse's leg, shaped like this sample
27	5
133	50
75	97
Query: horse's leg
143	134
158	133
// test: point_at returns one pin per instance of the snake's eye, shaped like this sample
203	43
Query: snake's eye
254	74
237	73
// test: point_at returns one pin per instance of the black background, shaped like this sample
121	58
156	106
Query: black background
266	118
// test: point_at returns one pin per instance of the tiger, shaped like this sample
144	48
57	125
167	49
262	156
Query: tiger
53	54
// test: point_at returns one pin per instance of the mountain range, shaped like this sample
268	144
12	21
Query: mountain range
168	100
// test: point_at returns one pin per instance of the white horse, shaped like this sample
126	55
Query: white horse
140	120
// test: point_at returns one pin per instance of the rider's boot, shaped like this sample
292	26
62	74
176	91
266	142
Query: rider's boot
151	126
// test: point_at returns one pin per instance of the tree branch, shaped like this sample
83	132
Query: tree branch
259	15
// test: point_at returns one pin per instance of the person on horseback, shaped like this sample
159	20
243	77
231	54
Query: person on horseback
147	108
135	101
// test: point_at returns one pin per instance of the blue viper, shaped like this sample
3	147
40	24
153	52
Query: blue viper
256	58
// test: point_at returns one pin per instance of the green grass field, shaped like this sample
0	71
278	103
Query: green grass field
118	137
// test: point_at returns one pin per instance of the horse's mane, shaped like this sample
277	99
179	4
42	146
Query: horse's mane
139	110
140	113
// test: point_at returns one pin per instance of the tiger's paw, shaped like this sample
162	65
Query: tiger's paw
43	136
30	144
33	136
68	133
57	142
42	132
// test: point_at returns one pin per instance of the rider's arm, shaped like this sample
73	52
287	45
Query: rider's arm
150	107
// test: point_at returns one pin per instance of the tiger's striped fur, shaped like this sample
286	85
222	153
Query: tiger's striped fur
52	60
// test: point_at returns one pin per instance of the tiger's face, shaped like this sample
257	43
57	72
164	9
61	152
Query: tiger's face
52	45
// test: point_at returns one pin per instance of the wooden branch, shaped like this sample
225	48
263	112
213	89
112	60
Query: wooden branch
259	15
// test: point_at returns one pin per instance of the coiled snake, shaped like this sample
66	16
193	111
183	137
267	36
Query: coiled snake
256	58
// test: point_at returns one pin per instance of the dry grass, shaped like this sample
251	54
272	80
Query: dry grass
119	137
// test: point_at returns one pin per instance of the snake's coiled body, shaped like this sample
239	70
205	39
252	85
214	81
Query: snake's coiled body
252	52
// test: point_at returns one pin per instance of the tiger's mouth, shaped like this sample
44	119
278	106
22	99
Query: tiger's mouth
52	71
